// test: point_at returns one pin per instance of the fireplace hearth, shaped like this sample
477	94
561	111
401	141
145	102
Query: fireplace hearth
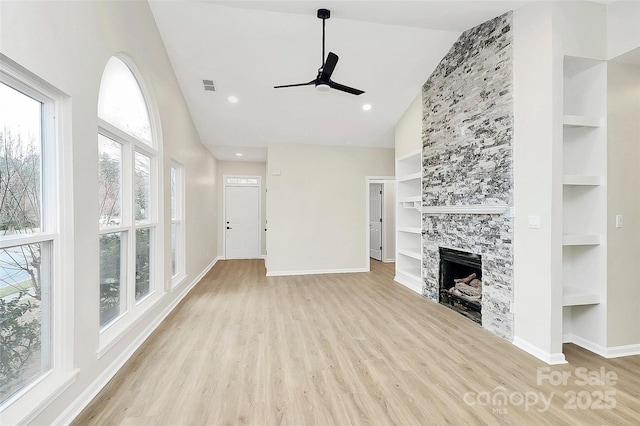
460	282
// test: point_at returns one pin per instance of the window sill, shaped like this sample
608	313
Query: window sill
178	280
114	332
25	406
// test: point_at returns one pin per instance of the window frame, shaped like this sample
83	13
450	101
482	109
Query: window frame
57	232
112	331
179	221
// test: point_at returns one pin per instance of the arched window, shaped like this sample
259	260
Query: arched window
128	164
121	102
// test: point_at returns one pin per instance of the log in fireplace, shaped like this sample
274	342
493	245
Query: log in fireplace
461	282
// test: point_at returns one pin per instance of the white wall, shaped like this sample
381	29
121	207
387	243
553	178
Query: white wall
68	44
623	156
535	287
244	168
582	28
408	130
316	206
623	178
389	212
622	27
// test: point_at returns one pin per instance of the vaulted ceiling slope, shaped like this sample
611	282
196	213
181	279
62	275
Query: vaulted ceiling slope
386	48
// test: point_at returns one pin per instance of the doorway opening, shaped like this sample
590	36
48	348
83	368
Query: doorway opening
380	219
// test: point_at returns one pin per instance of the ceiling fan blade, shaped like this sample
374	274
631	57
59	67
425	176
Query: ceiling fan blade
295	85
329	65
344	88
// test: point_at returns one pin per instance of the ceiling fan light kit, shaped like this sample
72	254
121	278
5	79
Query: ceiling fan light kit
323	80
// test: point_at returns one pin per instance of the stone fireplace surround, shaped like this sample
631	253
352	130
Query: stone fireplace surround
467	165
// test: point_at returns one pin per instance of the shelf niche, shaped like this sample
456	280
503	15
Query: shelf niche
584	200
409	221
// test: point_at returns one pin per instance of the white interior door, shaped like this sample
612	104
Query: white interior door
375	220
242	222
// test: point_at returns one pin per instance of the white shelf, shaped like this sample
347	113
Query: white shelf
413	253
581	180
409	280
412	199
413	274
409	164
582	121
411	176
410	204
573	296
409	229
580	240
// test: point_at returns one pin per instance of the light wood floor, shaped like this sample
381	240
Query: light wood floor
339	350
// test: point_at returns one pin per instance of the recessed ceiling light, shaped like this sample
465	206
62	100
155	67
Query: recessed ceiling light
239	154
233	99
366	107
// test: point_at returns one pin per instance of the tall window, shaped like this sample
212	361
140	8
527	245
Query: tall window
28	235
177	223
128	195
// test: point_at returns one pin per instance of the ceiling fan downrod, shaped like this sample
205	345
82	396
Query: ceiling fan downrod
323	14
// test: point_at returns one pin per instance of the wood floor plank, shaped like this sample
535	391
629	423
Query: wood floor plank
343	349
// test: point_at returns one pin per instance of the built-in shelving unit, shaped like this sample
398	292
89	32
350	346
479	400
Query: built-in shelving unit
584	199
408	221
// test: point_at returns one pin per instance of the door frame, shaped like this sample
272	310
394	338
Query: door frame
223	224
368	180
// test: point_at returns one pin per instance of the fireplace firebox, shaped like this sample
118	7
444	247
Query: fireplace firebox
461	282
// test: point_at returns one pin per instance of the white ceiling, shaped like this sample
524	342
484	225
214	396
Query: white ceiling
386	48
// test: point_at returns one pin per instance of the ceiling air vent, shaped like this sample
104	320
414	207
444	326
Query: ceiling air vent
209	85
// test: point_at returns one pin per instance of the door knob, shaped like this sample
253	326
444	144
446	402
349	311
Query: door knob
228	227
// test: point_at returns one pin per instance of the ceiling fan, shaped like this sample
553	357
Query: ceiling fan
323	81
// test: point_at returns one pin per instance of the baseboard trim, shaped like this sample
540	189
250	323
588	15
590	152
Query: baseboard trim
623	350
409	284
100	382
389	260
586	344
315	272
549	358
603	351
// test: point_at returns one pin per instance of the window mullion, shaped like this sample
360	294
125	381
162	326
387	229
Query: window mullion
24	239
144	148
131	252
154	191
